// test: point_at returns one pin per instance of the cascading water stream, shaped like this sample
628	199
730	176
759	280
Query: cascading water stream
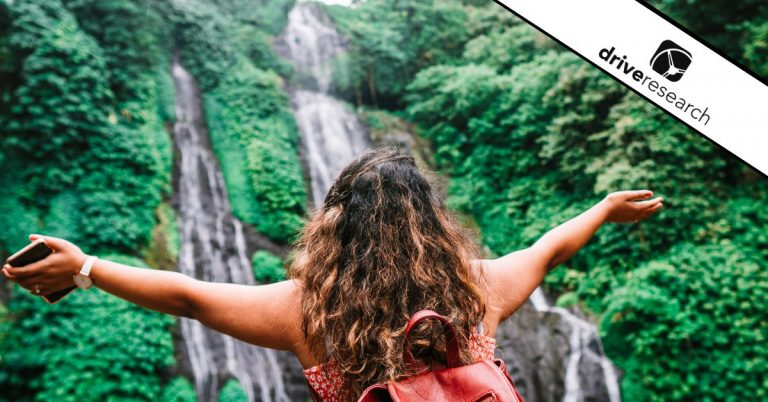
213	248
583	334
331	133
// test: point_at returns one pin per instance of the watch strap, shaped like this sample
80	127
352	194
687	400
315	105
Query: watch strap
86	269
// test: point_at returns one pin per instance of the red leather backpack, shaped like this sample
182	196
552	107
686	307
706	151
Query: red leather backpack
484	381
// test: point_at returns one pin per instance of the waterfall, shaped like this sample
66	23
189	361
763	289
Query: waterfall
331	133
213	248
584	347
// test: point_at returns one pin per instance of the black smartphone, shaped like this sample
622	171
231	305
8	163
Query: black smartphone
36	251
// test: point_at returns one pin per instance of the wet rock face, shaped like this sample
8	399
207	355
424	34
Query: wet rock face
536	347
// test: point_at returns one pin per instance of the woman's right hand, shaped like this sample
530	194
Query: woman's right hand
631	205
54	272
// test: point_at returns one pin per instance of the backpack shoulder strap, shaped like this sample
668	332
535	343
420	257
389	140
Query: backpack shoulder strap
451	341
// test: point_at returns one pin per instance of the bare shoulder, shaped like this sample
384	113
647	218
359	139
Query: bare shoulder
283	316
493	313
285	300
510	281
291	293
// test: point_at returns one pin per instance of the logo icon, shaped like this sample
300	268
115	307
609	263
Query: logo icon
671	60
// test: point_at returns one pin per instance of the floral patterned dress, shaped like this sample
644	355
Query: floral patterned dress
327	379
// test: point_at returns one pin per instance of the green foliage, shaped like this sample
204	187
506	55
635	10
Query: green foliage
736	28
232	392
111	209
212	36
131	35
62	100
250	30
104	175
567	299
18	219
85	102
163	250
270	16
521	45
745	220
179	389
692	325
267	267
89	346
756	47
256	46
166	95
86	157
256	141
200	33
392	40
171	232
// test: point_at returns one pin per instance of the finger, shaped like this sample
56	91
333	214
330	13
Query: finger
32	238
48	287
653	207
29	269
650	211
637	194
29	282
7	274
649	203
55	243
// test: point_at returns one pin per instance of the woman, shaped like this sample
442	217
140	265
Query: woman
381	247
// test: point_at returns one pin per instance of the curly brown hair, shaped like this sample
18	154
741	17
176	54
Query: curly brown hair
382	246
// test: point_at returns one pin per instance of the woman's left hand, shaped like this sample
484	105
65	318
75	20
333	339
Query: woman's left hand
53	272
631	205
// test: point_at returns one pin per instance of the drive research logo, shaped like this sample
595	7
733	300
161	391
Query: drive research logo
672	68
671	60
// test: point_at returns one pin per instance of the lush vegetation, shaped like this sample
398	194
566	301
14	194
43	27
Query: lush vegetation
86	107
703	308
86	157
179	389
232	392
93	346
530	135
256	138
267	267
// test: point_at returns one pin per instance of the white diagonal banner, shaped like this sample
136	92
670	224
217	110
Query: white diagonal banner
663	64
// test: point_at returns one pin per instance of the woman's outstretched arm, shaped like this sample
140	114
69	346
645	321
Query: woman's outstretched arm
257	314
515	276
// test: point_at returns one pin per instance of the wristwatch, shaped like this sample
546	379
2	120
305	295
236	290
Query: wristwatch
83	279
